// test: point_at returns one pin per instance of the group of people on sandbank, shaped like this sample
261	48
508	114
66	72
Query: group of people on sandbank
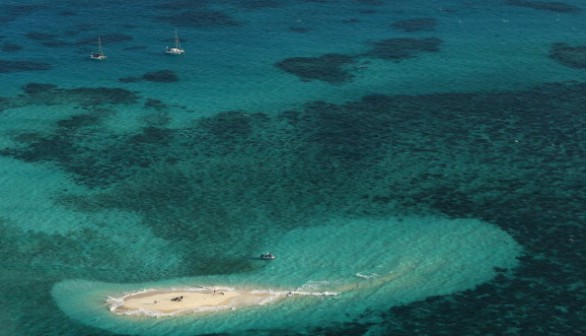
176	299
180	298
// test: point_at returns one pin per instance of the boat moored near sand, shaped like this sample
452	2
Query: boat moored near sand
267	256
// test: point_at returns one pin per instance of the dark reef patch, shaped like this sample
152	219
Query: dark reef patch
416	25
12	11
83	27
227	126
552	6
55	43
201	19
98	96
571	56
85	252
79	121
5	103
183	5
360	2
330	68
106	39
259	4
21	66
116	38
337	68
37	88
370	2
349	133
129	79
67	13
161	76
299	29
153	136
11	47
39	36
155	104
48	40
136	48
399	49
368	11
49	94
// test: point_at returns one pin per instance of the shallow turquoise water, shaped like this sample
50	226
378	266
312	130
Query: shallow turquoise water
450	156
382	263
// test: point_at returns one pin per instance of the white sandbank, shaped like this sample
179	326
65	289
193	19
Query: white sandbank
174	301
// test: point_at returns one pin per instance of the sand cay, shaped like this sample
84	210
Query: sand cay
175	301
165	302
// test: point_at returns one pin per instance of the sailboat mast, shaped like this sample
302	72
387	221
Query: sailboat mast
175	50
100	54
177	40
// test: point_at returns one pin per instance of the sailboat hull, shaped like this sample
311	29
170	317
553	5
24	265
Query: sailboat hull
175	51
98	57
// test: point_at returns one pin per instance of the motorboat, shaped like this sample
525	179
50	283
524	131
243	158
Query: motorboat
267	256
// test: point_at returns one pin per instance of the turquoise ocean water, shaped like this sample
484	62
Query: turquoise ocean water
421	160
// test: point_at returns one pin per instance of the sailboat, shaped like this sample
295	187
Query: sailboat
176	50
100	56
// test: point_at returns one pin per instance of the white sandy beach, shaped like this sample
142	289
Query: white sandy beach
176	301
173	301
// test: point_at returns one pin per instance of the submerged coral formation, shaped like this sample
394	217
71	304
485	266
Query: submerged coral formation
398	49
21	66
572	56
328	68
552	6
161	76
415	25
201	19
338	68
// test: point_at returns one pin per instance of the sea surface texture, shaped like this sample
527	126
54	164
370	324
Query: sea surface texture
419	166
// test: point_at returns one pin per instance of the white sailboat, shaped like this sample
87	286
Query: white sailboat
176	50
100	56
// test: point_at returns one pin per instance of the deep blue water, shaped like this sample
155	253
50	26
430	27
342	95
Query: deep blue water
430	156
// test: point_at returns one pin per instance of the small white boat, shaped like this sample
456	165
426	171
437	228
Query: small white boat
176	50
100	56
267	256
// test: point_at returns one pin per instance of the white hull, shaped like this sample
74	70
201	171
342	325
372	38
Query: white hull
98	57
175	51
